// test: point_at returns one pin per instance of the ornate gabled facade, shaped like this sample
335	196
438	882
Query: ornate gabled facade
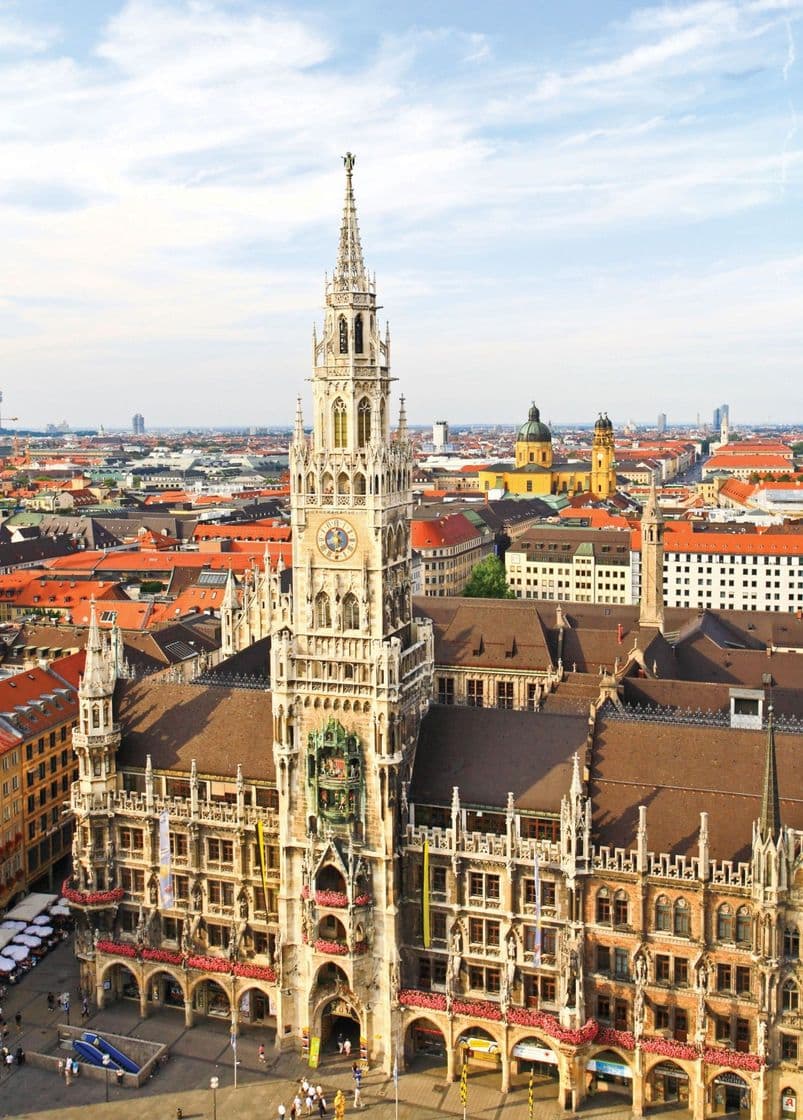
542	854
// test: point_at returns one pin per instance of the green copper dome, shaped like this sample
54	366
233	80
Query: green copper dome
534	431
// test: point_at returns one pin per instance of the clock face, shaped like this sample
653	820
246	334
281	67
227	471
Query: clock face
337	539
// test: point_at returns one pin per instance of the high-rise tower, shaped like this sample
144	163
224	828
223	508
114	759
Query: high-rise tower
351	674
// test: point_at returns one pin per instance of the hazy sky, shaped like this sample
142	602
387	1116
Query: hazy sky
593	204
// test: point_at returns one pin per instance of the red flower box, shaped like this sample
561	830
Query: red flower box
333	948
209	964
363	900
625	1040
670	1049
733	1059
432	1001
255	972
164	956
116	948
477	1008
334	899
91	898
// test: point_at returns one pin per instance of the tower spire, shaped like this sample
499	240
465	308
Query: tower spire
349	271
770	800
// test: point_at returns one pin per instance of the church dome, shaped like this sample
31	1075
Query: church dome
534	431
603	424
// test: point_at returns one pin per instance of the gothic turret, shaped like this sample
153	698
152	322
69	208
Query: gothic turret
97	737
652	563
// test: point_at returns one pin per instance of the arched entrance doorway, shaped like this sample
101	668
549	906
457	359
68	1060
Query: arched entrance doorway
210	998
608	1072
122	983
532	1057
256	1009
340	1023
163	988
479	1050
730	1095
424	1047
668	1084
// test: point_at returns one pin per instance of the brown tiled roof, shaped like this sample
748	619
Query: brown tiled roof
176	723
678	771
492	633
490	752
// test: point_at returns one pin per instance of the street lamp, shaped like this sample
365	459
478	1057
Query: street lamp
106	1059
213	1084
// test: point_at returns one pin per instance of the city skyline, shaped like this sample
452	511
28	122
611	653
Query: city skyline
588	207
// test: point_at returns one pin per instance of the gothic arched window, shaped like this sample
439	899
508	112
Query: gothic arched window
603	906
358	335
621	909
343	483
343	333
663	913
351	612
724	923
339	424
363	422
682	919
359	483
323	614
96	715
791	942
790	996
744	926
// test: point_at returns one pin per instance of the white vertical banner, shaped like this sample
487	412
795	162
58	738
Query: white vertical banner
165	862
537	891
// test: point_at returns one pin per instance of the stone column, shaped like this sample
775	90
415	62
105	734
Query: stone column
143	995
638	1083
188	1014
505	1066
697	1091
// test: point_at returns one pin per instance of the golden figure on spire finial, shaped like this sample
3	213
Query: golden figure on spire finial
349	159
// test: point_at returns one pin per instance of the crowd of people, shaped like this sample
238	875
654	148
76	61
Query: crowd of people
309	1098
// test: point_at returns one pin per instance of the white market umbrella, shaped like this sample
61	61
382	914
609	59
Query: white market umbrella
40	920
42	931
16	952
27	939
7	965
11	924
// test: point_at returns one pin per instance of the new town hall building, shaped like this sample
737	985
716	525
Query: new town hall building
554	837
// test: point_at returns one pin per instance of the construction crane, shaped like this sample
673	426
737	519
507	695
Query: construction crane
7	418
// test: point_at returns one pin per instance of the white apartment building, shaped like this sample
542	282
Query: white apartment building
577	565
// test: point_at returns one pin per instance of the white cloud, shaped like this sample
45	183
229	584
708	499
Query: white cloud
177	190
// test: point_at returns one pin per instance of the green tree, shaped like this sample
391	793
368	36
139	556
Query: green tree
488	581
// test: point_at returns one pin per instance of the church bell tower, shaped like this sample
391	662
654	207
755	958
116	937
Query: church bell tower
351	676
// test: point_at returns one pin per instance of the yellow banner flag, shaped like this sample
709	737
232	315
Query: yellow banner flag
464	1083
425	922
530	1097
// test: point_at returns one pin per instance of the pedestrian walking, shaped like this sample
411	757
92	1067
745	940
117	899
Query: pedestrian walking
356	1073
319	1091
51	1002
261	1054
347	1047
310	1100
293	1110
340	1042
322	1106
297	1103
84	1009
282	1112
18	1021
19	1055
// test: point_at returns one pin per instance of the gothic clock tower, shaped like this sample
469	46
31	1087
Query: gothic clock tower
351	677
